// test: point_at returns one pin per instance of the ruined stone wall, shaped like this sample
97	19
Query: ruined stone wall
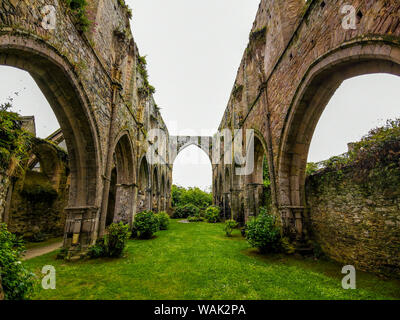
40	194
93	81
356	221
298	55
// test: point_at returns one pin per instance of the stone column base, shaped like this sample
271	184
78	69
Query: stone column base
80	230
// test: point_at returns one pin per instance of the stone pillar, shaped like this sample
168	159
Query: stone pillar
124	204
149	199
227	205
80	229
253	199
292	221
235	204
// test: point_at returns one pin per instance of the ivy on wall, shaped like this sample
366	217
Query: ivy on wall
374	161
15	142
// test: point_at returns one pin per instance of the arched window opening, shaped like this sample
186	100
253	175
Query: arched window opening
156	191
40	181
143	202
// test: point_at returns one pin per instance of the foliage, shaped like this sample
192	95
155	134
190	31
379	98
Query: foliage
78	9
230	225
258	35
113	243
263	233
16	280
187	210
197	218
267	193
163	220
182	196
374	160
311	168
125	6
147	89
37	188
15	142
145	225
286	246
212	214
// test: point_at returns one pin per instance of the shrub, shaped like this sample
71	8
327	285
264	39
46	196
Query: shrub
17	282
145	225
188	210
229	226
195	196
195	219
113	243
163	220
212	214
263	233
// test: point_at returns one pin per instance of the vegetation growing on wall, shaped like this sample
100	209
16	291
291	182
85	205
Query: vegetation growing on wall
267	194
375	160
78	10
15	142
126	7
257	39
147	88
38	189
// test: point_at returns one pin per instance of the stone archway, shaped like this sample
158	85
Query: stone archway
144	191
227	194
318	86
121	203
155	187
58	82
255	181
162	194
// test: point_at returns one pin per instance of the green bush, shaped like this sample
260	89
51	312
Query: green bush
163	220
15	142
145	225
212	214
229	226
263	233
188	210
113	243
17	282
195	219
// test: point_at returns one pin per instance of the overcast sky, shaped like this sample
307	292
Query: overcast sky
193	51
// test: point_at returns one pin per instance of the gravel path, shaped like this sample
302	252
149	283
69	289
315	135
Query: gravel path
36	252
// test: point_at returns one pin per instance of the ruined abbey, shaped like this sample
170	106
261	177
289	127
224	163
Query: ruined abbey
96	82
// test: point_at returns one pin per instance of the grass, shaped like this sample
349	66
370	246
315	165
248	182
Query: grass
197	261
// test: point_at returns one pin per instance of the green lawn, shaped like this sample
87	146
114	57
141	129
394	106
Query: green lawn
196	261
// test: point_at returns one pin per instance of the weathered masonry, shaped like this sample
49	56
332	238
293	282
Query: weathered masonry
96	83
298	55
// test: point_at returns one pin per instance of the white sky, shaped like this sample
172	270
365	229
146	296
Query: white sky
193	51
